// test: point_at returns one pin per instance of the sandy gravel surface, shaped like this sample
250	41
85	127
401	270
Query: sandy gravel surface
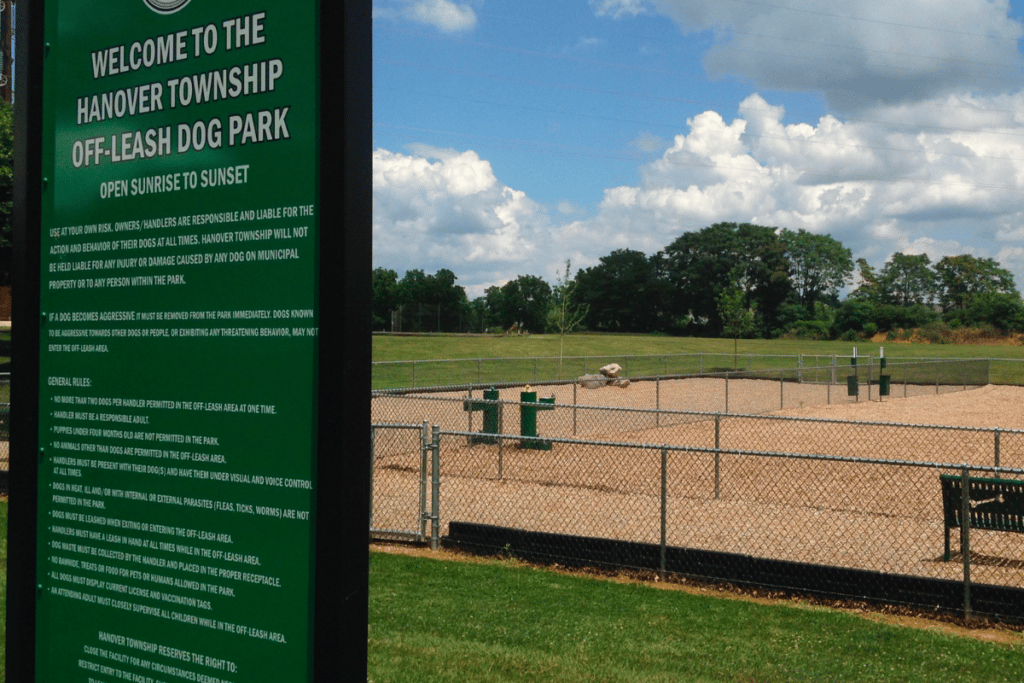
862	515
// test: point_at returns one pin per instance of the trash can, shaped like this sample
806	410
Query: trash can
883	385
852	385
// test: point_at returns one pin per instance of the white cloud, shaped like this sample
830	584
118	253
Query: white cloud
444	15
583	44
618	8
569	209
648	142
450	213
934	187
860	52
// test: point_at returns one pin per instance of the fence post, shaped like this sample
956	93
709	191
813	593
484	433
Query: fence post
718	456
997	448
469	417
727	393
782	395
574	385
435	492
424	447
535	368
501	459
965	537
373	457
414	374
479	371
664	505
657	401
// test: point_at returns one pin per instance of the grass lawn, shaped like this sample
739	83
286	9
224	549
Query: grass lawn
3	590
617	347
391	348
436	620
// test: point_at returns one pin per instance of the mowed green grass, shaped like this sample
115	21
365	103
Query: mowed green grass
3	590
430	347
535	357
435	620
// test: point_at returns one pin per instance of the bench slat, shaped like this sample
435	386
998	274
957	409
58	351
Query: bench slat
996	504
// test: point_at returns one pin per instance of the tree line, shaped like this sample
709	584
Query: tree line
731	280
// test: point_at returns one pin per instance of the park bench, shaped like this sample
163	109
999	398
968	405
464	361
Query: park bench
995	504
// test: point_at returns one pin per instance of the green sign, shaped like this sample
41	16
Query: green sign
179	322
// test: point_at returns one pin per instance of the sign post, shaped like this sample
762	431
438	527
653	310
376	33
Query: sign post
179	357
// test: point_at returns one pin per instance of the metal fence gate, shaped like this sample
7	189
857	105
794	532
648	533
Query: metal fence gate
399	475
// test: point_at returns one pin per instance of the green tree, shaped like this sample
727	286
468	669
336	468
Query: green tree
699	266
477	315
431	303
625	292
1003	311
564	315
908	279
385	297
964	277
819	266
737	316
524	300
868	289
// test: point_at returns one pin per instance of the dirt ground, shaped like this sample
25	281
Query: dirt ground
861	515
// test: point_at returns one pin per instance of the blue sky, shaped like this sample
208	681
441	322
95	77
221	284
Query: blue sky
511	136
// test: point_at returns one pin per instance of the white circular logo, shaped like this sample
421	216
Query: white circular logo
165	6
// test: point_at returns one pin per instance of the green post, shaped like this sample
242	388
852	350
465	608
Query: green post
883	380
492	415
852	382
529	405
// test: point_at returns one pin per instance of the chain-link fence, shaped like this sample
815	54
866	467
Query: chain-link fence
729	492
716	411
853	527
804	367
733	392
398	482
993	447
